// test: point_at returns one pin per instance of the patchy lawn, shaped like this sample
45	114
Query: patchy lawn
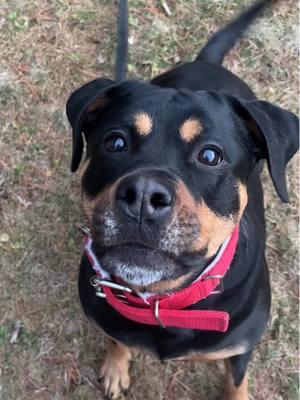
48	48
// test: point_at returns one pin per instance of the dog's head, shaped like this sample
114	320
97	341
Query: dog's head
165	180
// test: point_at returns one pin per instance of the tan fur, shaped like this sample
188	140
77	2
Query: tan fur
98	104
184	197
88	206
216	355
190	129
103	199
214	229
114	370
164	286
143	123
230	391
243	200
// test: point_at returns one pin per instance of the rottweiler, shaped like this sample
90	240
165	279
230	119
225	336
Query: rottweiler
175	241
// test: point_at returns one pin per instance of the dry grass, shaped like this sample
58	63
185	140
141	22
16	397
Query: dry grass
47	49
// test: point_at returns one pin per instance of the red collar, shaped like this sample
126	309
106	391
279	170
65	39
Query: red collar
170	310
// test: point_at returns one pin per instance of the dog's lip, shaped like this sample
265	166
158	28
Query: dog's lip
136	246
132	264
183	259
136	264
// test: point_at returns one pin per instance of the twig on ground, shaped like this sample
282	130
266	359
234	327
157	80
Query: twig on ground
15	335
166	8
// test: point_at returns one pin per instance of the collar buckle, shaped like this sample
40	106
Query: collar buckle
113	285
85	230
156	315
98	284
220	284
94	281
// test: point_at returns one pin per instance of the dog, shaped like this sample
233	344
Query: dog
171	191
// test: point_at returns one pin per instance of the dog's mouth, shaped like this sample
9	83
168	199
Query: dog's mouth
138	266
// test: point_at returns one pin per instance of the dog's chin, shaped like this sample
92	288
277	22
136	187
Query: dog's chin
138	266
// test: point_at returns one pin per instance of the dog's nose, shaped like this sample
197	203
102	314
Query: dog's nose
145	198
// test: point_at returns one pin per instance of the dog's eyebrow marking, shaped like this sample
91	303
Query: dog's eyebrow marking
190	129
143	123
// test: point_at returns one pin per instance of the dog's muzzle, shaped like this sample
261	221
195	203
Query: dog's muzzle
169	310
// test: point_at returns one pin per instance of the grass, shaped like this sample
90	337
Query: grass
48	49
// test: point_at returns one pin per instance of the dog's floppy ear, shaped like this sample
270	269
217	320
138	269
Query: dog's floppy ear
277	130
81	103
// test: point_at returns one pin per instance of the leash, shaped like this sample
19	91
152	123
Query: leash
169	310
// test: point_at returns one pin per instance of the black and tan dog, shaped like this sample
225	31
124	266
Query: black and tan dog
172	168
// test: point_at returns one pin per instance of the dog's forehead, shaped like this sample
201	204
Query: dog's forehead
149	108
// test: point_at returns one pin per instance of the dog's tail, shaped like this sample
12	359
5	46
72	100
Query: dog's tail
223	40
122	42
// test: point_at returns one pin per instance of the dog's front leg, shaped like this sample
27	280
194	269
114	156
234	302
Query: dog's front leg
236	380
114	370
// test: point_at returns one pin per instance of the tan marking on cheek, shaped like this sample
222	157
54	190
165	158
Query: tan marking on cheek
214	229
104	199
166	286
216	355
88	206
190	129
232	392
114	370
184	197
143	123
243	200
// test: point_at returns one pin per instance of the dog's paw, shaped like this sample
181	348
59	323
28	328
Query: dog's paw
115	376
114	371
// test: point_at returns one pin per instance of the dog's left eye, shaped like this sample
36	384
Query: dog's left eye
115	143
210	156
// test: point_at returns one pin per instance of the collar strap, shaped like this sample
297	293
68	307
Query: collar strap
169	310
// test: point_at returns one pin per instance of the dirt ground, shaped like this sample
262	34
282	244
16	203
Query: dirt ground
48	48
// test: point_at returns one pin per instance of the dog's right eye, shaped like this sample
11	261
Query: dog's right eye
115	143
210	156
